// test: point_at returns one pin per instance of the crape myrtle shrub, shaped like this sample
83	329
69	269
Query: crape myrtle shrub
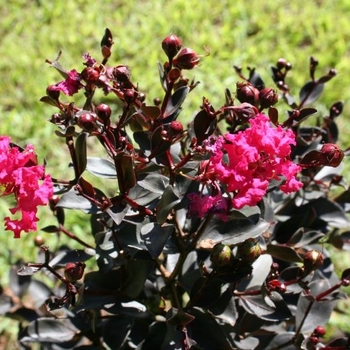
209	236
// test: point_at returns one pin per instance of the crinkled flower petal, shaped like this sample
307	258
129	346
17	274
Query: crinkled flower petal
245	162
70	85
21	176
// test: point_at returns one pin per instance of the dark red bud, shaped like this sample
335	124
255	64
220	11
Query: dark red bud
268	97
281	63
331	155
221	255
171	46
174	74
246	92
276	285
186	59
249	251
175	128
319	331
122	73
52	92
90	74
87	121
142	96
104	112
313	260
74	271
245	111
157	101
130	96
53	201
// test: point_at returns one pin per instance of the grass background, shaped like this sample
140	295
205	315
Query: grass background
244	32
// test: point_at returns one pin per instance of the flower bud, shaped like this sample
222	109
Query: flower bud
221	255
104	112
130	95
74	271
175	128
245	111
186	59
171	46
52	92
281	63
87	121
39	241
268	97
174	74
246	92
122	73
331	155
249	251
319	331
313	260
90	74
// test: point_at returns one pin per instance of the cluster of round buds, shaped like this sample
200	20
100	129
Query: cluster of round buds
248	93
315	336
182	58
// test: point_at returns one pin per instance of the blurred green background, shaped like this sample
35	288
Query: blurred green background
243	32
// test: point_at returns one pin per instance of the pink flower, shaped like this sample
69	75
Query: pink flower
247	161
201	205
70	85
21	176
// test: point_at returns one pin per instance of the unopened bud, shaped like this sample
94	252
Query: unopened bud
245	111
246	92
171	46
104	112
249	251
331	155
319	331
221	255
74	271
39	241
186	59
87	121
90	74
122	73
175	128
268	97
313	260
52	92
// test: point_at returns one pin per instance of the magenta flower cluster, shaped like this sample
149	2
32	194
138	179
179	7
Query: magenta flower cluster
244	163
21	176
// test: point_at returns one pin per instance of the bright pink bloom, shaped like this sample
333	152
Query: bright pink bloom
21	176
247	161
200	205
70	85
